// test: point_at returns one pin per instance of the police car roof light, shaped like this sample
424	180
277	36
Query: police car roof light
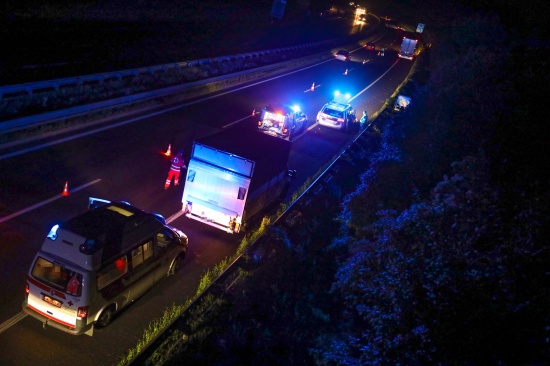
341	98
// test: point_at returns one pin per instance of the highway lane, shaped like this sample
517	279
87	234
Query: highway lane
129	161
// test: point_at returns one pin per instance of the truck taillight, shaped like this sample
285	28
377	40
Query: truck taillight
82	312
259	123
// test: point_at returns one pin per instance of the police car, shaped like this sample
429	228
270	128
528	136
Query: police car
338	113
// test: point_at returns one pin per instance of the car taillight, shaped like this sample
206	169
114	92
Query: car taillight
82	312
27	291
340	120
285	131
259	123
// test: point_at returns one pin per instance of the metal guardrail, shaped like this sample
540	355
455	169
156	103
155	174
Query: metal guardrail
44	118
17	90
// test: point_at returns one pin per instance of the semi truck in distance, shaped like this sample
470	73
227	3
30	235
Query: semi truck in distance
408	48
233	175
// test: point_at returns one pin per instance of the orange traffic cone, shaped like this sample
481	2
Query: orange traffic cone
254	112
65	192
346	72
169	150
313	87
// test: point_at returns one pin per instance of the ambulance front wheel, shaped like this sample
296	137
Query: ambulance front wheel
176	265
106	317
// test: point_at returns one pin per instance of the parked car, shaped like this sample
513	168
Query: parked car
370	46
342	55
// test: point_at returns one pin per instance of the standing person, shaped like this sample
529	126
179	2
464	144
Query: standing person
363	120
175	168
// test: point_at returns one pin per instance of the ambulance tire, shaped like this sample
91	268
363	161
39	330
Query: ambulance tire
106	317
176	265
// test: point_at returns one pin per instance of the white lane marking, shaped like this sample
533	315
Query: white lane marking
374	82
238	121
174	216
30	208
12	321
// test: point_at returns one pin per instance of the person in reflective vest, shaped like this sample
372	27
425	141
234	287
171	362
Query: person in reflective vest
363	120
175	168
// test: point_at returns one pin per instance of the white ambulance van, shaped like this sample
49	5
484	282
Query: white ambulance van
95	264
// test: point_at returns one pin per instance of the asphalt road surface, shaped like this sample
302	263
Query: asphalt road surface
124	161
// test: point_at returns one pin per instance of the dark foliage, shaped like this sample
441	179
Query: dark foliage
439	256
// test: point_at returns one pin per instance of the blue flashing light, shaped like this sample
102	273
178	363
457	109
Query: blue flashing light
296	108
159	218
90	246
341	98
53	232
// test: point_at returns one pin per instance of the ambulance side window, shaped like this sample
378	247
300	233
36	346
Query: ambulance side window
142	253
112	272
164	238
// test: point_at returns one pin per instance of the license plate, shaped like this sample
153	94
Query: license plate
54	302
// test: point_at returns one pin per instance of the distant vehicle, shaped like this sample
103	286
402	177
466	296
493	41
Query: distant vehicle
282	120
408	48
342	55
95	264
233	175
362	18
337	114
370	46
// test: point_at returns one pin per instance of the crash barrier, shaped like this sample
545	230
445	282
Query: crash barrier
193	88
12	91
67	99
128	87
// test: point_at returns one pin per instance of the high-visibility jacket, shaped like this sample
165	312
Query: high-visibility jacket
177	163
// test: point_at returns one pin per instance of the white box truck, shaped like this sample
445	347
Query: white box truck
408	48
234	174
